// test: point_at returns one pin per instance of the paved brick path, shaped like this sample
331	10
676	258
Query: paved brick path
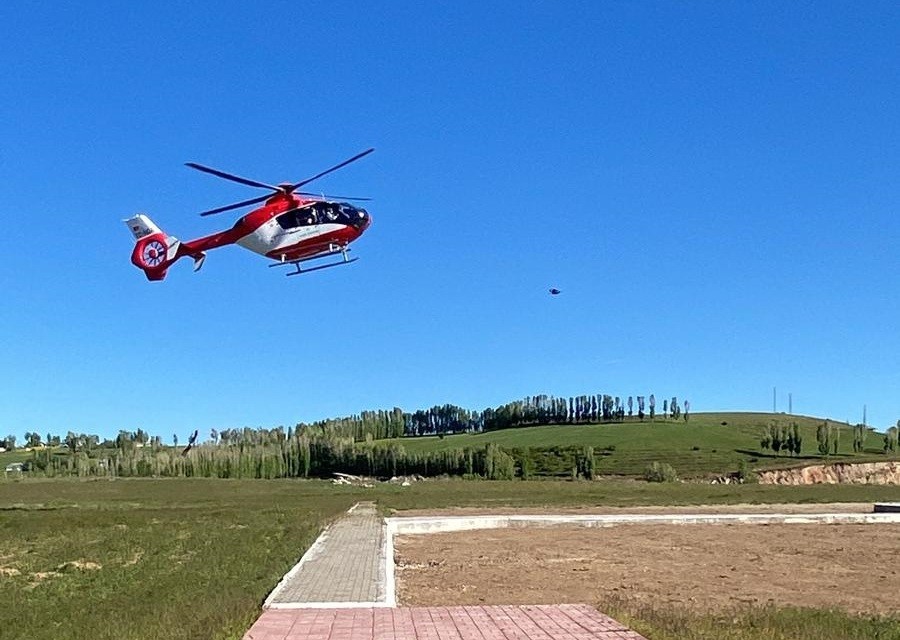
345	565
537	622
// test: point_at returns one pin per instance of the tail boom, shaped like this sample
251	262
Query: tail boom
154	251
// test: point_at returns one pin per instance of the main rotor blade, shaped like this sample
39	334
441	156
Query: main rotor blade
334	168
330	195
228	176
237	205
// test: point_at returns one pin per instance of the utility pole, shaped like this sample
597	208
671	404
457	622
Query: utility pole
790	404
864	416
774	405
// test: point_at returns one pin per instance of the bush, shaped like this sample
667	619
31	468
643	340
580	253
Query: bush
743	472
526	466
586	463
499	465
660	472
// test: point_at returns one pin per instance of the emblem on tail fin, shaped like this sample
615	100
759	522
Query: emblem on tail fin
153	251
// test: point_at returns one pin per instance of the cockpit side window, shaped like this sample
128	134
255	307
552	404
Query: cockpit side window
297	218
288	219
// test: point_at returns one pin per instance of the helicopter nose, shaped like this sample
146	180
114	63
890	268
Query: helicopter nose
364	219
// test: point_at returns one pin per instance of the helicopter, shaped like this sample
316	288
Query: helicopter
292	227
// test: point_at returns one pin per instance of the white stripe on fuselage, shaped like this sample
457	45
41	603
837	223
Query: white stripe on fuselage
271	237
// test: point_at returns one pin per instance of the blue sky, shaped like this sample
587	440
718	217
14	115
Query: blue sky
712	185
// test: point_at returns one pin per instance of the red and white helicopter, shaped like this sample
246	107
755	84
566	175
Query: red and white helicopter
292	227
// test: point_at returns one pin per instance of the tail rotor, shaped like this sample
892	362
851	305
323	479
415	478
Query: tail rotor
154	251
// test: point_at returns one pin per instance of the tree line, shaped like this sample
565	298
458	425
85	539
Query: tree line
317	456
382	424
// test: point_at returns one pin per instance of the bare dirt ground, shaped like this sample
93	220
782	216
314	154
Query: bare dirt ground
702	567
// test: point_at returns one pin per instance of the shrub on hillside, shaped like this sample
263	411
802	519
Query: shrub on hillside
744	474
499	465
660	472
586	463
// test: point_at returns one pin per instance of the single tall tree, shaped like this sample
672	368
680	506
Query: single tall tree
859	438
823	438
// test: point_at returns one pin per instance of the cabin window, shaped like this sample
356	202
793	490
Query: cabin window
296	218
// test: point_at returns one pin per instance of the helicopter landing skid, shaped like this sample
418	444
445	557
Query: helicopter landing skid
334	250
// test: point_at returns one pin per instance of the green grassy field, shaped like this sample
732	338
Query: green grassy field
150	559
195	558
769	622
19	455
701	446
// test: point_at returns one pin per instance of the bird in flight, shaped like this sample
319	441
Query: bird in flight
555	292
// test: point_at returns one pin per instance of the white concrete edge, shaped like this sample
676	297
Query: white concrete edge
390	585
312	552
436	524
328	605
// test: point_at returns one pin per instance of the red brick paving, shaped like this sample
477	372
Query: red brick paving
529	622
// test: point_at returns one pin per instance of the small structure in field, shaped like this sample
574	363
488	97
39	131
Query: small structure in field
15	468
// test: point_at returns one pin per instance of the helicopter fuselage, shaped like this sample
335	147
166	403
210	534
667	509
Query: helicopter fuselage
290	228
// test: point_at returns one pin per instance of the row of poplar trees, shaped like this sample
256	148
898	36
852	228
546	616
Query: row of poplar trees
300	456
531	410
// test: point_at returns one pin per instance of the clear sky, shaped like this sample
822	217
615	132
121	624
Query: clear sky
712	185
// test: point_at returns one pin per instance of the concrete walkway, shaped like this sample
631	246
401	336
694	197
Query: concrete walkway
345	566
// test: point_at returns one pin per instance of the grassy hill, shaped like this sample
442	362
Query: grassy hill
709	443
19	455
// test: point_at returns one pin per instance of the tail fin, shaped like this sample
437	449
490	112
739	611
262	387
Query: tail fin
155	251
